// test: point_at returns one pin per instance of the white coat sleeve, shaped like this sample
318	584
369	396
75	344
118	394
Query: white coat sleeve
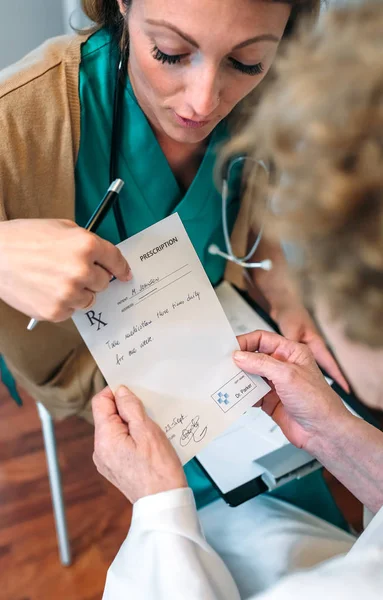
166	557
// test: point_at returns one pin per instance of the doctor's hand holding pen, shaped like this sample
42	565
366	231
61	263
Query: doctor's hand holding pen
51	267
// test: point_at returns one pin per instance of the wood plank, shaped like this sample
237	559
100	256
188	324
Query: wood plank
98	515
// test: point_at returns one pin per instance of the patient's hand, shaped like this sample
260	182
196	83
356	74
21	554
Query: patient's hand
301	402
130	450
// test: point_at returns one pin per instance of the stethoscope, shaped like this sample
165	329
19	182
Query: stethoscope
243	262
213	249
115	141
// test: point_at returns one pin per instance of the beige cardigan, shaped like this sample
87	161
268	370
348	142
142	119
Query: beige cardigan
39	142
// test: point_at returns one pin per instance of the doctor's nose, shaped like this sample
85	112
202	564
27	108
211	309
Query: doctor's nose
204	93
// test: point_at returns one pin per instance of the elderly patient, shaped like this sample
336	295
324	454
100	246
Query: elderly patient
323	127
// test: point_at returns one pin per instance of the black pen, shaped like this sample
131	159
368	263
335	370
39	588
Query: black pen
96	219
106	203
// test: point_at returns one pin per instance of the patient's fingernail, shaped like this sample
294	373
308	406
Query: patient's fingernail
129	275
239	356
122	391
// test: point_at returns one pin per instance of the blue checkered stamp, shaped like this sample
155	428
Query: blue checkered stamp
233	391
223	398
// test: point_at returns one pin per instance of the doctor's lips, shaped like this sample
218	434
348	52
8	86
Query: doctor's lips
189	123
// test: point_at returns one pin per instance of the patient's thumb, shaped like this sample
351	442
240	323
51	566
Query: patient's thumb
130	408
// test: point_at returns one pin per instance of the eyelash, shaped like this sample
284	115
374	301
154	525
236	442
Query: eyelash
171	59
247	69
174	59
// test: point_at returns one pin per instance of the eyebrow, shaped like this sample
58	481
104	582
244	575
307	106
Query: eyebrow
266	37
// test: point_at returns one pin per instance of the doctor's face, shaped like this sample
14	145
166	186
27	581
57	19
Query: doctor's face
192	61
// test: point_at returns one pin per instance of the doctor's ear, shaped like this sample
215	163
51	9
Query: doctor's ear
124	6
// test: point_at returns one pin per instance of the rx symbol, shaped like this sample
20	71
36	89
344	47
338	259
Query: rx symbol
223	398
93	319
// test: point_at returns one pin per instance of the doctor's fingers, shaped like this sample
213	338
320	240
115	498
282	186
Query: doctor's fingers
96	278
325	360
269	403
60	308
82	300
111	258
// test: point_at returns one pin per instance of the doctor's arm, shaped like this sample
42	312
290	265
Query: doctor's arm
312	416
165	555
286	307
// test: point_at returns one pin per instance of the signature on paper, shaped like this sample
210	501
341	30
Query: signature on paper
176	421
192	431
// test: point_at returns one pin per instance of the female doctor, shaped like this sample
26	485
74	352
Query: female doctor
145	97
332	200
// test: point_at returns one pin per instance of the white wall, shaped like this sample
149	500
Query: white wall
73	15
24	24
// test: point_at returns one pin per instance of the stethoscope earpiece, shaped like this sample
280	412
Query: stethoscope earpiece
265	265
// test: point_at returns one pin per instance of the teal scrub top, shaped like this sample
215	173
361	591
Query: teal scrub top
151	191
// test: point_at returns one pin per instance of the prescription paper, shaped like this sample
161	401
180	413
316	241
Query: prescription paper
165	336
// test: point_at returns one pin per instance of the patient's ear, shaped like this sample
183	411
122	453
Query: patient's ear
361	364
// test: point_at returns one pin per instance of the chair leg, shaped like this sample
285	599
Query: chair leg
55	484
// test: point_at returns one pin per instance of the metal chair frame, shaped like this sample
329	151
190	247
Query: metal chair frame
54	474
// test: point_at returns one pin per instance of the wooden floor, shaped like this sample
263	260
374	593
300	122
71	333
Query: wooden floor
98	514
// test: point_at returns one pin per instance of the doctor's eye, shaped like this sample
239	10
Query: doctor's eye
247	69
171	59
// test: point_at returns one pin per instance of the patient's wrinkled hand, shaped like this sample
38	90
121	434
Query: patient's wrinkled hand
130	450
301	402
